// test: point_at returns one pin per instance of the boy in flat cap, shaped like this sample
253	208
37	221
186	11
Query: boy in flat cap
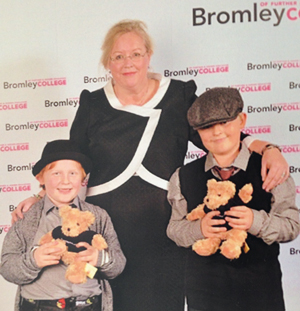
253	281
37	269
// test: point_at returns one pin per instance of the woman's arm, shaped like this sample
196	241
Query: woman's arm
274	169
25	205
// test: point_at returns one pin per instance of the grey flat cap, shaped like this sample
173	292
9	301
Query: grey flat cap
217	105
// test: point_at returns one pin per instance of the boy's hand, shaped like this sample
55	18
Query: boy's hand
208	223
244	218
47	254
90	255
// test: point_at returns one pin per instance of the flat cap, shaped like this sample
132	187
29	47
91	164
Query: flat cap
217	105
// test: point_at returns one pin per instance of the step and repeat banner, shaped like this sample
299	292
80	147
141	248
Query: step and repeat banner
50	51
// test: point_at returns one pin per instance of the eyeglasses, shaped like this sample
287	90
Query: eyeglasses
120	58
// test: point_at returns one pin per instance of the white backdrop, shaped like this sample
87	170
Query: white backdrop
50	51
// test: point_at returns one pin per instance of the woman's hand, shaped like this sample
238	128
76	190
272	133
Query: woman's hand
47	254
23	207
90	255
244	217
208	223
274	168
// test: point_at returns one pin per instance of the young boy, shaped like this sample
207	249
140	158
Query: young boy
253	281
37	269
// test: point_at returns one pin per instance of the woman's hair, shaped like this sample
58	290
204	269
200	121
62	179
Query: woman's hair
122	27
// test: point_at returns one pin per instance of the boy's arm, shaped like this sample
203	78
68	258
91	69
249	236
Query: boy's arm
182	231
111	262
17	264
281	224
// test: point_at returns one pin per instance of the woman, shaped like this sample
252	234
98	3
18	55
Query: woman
136	132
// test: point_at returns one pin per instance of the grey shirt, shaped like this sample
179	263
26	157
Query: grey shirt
18	265
281	224
52	284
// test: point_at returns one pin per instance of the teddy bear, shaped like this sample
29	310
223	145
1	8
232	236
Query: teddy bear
74	229
221	195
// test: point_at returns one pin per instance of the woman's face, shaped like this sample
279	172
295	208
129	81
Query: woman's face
129	72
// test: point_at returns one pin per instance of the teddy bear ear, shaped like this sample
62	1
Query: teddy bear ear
210	182
64	210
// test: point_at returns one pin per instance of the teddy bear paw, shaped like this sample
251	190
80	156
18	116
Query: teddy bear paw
230	249
196	213
245	193
99	242
206	247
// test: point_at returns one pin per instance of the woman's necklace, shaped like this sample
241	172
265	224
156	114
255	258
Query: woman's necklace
141	102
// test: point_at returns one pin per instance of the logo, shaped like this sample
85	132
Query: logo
35	125
293	85
13	106
62	103
14	147
256	87
278	65
278	108
254	14
294	251
294	169
102	79
294	128
194	154
4	228
265	129
35	83
194	71
290	148
15	188
298	189
18	168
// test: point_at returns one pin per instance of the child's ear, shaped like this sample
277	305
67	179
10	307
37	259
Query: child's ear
40	179
243	118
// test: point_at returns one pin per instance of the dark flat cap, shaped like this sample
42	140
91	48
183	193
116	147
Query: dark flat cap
217	105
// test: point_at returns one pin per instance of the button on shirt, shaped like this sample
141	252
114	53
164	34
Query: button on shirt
52	283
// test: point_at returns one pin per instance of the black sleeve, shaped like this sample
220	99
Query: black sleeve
80	125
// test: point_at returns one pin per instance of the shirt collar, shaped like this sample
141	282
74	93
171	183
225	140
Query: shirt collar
48	205
240	162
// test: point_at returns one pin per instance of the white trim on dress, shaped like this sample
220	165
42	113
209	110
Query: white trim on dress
135	167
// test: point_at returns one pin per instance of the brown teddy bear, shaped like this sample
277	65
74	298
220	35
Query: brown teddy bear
221	195
74	229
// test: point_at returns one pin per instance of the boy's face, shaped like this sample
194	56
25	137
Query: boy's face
62	181
223	139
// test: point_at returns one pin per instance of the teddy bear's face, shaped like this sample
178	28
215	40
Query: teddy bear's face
75	221
218	193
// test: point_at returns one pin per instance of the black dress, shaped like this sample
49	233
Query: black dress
134	151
